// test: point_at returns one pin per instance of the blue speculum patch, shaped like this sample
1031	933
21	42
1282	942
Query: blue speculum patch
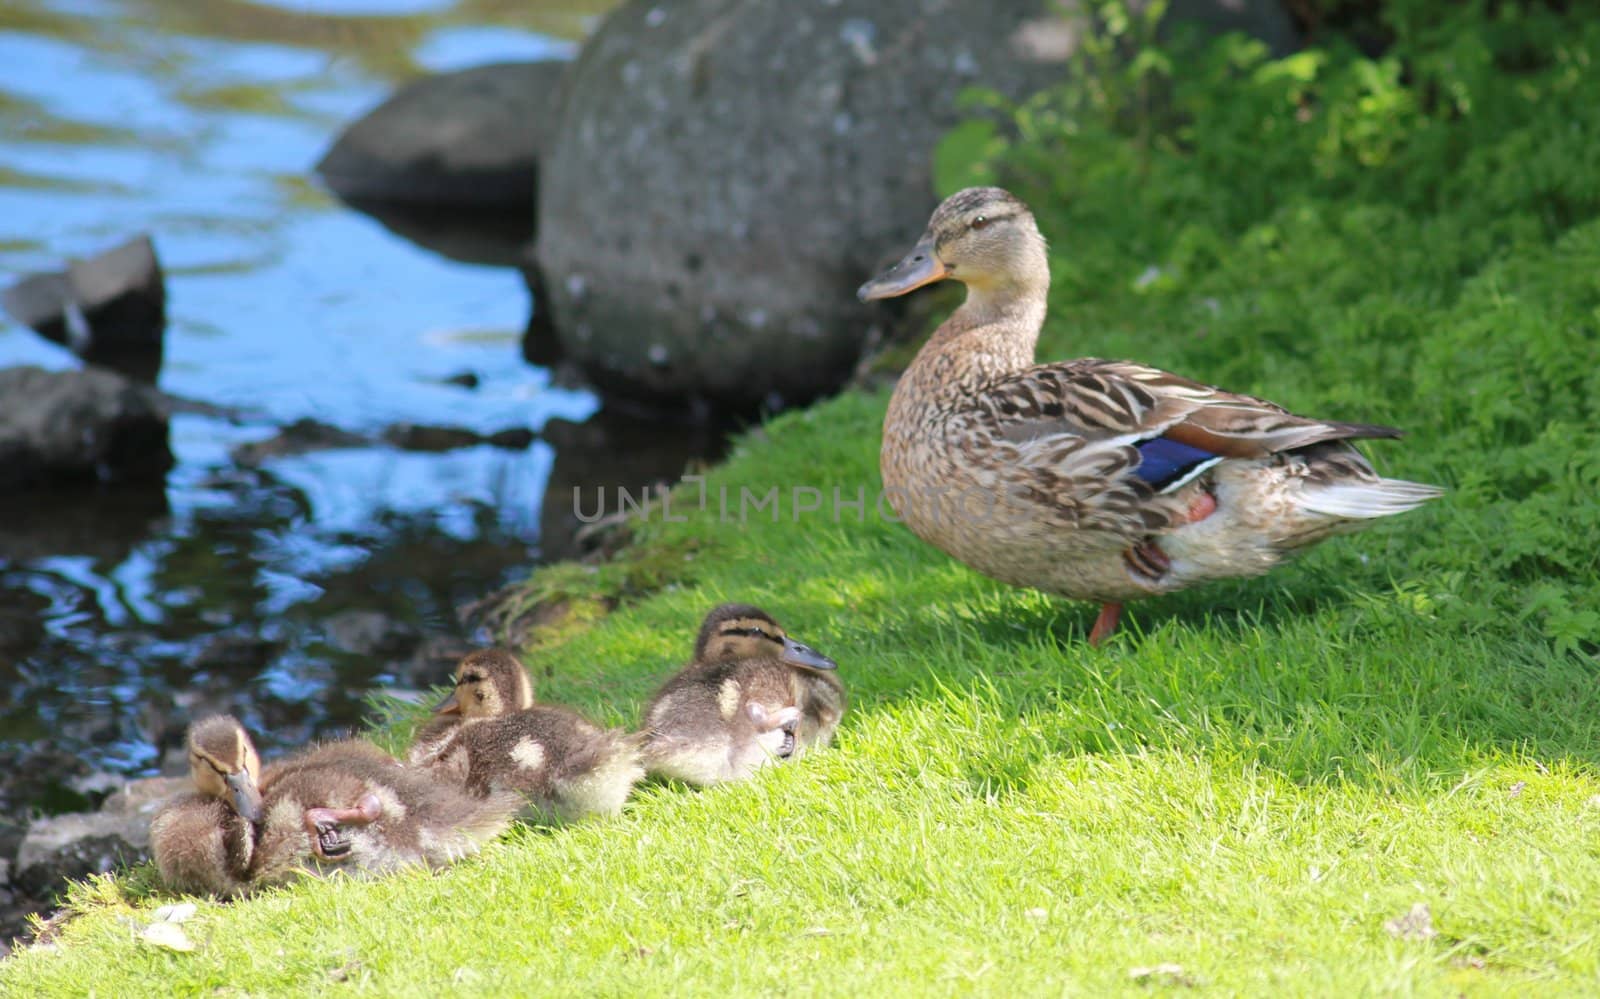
1163	462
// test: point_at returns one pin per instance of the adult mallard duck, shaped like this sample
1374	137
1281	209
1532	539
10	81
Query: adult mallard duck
751	696
1096	480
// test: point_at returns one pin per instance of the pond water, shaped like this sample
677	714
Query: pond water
243	586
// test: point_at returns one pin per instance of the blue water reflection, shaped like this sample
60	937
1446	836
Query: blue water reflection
198	123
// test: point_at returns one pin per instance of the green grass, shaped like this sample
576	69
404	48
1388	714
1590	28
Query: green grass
1251	780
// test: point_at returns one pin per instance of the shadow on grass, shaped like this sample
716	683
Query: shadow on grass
1314	683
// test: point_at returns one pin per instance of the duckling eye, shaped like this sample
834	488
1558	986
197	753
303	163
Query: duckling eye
981	222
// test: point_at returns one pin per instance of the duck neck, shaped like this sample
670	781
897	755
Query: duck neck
995	331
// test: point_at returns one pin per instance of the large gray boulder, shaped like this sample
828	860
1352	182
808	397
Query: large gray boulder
727	172
89	425
472	137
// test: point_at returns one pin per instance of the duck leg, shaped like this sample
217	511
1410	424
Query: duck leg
326	825
1105	624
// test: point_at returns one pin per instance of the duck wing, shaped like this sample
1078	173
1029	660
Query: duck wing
1103	441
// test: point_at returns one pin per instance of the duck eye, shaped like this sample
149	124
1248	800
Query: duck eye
981	222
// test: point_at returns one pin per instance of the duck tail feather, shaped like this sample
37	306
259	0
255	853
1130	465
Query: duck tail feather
1367	500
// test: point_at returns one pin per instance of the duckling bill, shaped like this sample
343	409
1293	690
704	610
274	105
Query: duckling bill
1096	480
752	696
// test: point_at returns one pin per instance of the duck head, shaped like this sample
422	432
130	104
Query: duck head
223	764
983	237
739	631
489	683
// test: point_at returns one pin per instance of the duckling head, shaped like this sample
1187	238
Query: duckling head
489	683
223	764
983	237
739	631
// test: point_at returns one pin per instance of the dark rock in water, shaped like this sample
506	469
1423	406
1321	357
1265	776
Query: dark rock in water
421	437
110	309
473	137
213	695
512	438
463	379
541	346
39	302
727	172
299	437
66	519
371	633
496	236
73	426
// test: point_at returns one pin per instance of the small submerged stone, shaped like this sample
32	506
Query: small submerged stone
110	309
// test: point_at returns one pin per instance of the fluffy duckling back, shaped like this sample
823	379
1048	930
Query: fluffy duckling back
350	806
561	764
752	696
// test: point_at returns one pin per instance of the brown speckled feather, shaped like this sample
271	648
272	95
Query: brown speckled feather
1063	435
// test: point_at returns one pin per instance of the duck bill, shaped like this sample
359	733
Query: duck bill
919	267
796	654
246	796
449	706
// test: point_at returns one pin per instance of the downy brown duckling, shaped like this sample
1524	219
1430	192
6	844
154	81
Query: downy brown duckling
562	765
495	689
204	841
349	805
752	696
342	805
1096	480
733	632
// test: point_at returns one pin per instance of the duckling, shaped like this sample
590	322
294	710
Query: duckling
739	631
752	696
348	805
563	766
1095	480
343	804
203	841
494	690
